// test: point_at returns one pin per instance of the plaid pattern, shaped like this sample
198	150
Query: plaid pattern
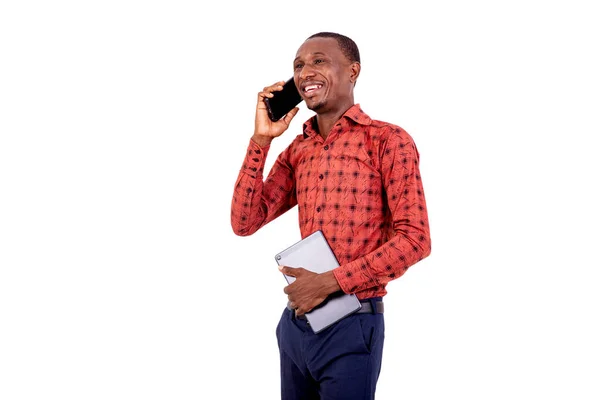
361	186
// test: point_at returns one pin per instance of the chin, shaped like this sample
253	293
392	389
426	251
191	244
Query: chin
317	106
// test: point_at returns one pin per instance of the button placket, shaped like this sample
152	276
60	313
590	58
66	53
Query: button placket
322	182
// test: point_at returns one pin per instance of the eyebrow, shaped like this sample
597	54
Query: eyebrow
317	53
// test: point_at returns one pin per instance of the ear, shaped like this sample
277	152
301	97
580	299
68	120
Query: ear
354	72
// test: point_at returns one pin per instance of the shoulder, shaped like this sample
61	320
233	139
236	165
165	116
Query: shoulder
388	130
387	134
380	135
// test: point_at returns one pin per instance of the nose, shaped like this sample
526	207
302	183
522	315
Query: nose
306	72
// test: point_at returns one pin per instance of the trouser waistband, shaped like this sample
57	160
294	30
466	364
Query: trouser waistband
371	306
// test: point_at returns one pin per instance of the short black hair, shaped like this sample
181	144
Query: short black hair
347	45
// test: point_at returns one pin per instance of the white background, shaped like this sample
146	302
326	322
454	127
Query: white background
124	124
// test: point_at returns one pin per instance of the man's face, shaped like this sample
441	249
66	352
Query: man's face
323	74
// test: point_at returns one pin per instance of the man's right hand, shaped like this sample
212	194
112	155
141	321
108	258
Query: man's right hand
266	130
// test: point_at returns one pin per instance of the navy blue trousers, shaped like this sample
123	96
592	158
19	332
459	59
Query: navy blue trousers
341	362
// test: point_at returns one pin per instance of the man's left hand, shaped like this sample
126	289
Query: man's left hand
309	289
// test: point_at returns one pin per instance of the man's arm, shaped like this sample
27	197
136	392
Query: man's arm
406	199
254	202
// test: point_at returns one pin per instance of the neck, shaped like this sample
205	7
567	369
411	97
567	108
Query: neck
327	120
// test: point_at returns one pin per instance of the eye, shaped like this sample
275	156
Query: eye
298	66
319	61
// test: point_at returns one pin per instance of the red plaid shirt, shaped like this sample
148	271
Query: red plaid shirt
361	186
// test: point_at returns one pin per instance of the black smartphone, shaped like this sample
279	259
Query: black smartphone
283	101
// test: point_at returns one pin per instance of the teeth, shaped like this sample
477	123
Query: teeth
311	88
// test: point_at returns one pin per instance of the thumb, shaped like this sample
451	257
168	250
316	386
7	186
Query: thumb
290	115
289	271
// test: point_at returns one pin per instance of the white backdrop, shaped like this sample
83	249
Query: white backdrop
123	126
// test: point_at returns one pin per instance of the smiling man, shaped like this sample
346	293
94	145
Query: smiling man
357	180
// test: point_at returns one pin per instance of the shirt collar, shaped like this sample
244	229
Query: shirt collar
354	113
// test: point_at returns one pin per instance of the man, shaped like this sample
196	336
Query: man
357	180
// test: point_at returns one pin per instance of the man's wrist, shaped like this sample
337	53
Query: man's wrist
261	140
330	283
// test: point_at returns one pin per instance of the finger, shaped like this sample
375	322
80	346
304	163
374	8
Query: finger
276	87
268	90
262	95
287	270
295	271
290	115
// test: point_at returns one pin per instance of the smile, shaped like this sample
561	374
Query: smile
312	88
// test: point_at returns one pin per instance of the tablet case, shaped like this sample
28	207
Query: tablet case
314	254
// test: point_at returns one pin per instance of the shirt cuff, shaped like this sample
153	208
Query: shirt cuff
256	157
354	276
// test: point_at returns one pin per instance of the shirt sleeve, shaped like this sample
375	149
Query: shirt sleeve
256	202
410	241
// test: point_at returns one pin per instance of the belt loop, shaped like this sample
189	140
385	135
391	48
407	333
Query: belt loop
373	305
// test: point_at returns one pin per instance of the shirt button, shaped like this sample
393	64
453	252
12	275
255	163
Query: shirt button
326	147
318	209
321	176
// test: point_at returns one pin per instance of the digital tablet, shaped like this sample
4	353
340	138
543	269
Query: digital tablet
314	254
